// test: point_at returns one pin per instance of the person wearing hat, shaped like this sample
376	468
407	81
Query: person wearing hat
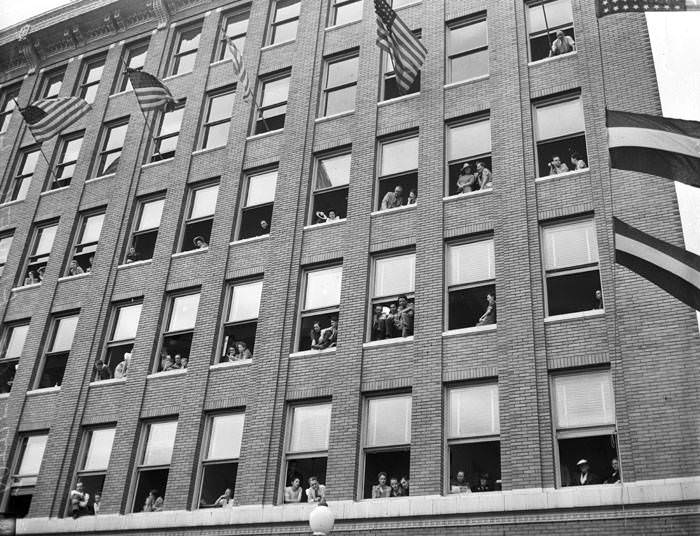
466	182
586	478
199	242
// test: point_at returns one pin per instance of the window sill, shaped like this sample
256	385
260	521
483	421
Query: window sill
563	175
248	240
574	316
111	381
264	134
71	277
553	58
131	264
10	203
220	62
45	390
277	45
174	76
397	99
306	353
338	26
408	5
159	162
388	342
393	210
48	192
207	150
4	395
334	116
167	373
469	194
231	364
188	253
95	179
114	95
468	331
467	81
25	287
325	224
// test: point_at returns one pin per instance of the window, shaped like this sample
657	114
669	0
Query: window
219	109
398	172
470	280
390	88
177	337
7	106
544	21
473	438
387	441
467	49
307	447
236	28
90	78
25	474
145	233
285	21
86	244
94	460
134	57
469	143
220	458
52	83
158	440
69	149
24	172
346	11
165	142
112	145
330	194
14	337
584	409
273	109
42	243
200	217
561	136
256	214
187	43
5	245
340	85
318	325
53	364
393	282
242	321
570	252
125	323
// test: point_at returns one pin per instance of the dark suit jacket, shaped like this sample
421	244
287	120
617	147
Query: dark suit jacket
592	479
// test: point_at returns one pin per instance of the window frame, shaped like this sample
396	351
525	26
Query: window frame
189	220
340	4
105	152
78	243
48	353
449	58
84	85
177	54
481	117
139	465
545	32
85	443
387	73
244	199
33	258
303	313
138	214
155	154
55	179
377	300
275	24
260	124
15	186
208	123
387	140
348	55
141	46
236	15
165	324
49	79
223	342
8	95
17	459
317	159
6	336
6	235
109	341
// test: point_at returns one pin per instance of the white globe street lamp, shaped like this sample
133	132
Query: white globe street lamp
321	519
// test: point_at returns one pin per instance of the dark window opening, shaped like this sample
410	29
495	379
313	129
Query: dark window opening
563	148
149	479
271	118
216	479
454	169
53	369
19	502
321	341
597	450
92	484
408	181
390	323
305	468
251	219
477	460
196	229
236	333
165	147
144	244
541	43
174	345
8	369
391	87
468	305
327	201
115	355
395	463
572	293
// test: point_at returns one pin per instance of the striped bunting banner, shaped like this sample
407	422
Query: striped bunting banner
669	267
239	69
150	92
656	145
48	117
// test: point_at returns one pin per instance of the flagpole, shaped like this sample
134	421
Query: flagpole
145	119
43	155
546	25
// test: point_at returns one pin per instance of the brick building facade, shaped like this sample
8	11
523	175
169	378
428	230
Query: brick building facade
559	376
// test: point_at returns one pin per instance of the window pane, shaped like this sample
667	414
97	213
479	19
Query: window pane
45	242
30	160
342	72
150	215
115	139
559	119
286	10
468	37
472	139
245	301
226	435
184	312
394	275
261	188
5	244
469	263
72	149
92	229
99	450
348	12
310	428
33	453
573	244
401	155
389	421
584	399
171	122
275	91
15	344
65	331
558	14
472	65
340	100
473	411
94	73
221	107
323	288
159	446
204	203
333	171
236	26
127	322
189	40
137	56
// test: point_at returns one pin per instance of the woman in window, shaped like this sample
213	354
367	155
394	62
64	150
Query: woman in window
466	183
381	490
292	494
489	317
243	351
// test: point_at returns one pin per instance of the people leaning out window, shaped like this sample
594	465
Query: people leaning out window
585	476
226	500
614	477
123	367
397	487
292	493
489	316
316	492
154	502
79	502
472	181
557	167
322	339
101	371
393	321
168	363
563	44
460	484
322	217
395	198
238	351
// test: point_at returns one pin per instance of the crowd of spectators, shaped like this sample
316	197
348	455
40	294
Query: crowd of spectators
322	338
394	320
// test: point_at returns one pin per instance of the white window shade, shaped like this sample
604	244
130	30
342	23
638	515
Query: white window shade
45	242
310	428
389	421
261	189
573	244
584	399
323	288
99	450
204	203
559	119
469	263
401	155
226	435
127	322
184	312
92	229
33	454
245	302
15	344
394	275
151	214
275	91
473	411
558	14
65	331
160	443
5	244
466	141
333	171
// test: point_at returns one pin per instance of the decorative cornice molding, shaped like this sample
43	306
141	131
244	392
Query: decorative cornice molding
161	10
28	47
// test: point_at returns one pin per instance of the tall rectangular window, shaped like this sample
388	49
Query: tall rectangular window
550	26
241	321
7	106
397	172
345	12
90	78
178	332
120	342
236	25
165	141
220	459
584	407
469	156
473	438
5	245
285	21
200	217
219	107
387	444
390	87
391	307
471	279
86	243
113	138
186	45
340	85
134	56
68	152
39	252
13	338
30	453
145	232
318	323
467	49
572	273
330	192
307	451
273	110
56	353
560	134
256	214
18	187
153	467
93	462
52	83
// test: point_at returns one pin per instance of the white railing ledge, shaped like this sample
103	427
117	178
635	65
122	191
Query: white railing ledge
44	390
135	263
574	316
388	342
95	179
467	331
485	191
264	134
398	99
338	26
334	116
324	224
393	210
248	240
188	253
72	277
111	381
563	175
25	287
305	353
230	364
553	58
167	373
10	203
467	81
49	192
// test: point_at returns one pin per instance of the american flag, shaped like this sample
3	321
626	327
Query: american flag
48	117
150	92
239	69
611	7
394	37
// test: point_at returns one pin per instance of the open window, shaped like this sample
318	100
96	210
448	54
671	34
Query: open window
93	462
330	192
90	228
345	12
145	233
220	459
469	155
545	19
13	338
467	49
90	78
391	306
30	453
397	172
18	186
256	213
285	21
165	141
113	138
200	217
236	28
242	321
273	108
55	358
185	49
219	107
134	57
120	343
39	252
153	467
68	152
318	324
340	84
177	336
5	245
390	88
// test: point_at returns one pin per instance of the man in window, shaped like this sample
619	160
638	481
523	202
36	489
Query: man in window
378	323
263	229
489	317
79	501
330	336
586	477
316	336
483	176
460	484
393	199
563	44
556	166
75	269
101	371
614	477
396	489
123	367
406	314
133	255
200	243
577	162
483	483
315	492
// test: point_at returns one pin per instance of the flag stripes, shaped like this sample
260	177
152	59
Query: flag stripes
239	69
612	7
48	117
669	267
150	92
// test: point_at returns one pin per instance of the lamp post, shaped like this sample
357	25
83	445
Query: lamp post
321	519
